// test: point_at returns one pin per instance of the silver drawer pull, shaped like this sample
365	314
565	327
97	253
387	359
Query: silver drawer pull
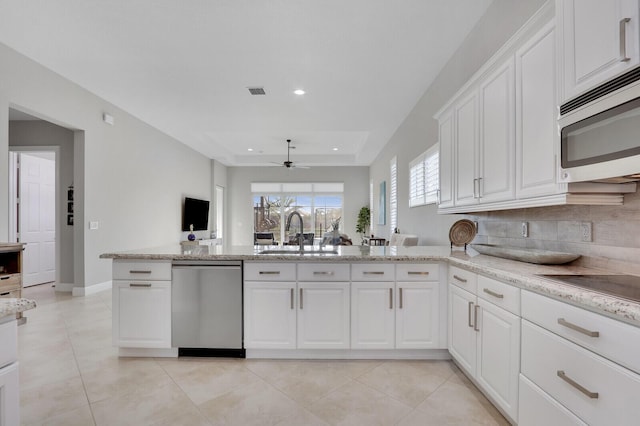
462	280
140	285
493	293
323	272
563	376
373	273
475	318
269	272
292	298
401	301
301	305
623	40
390	298
577	328
469	312
139	272
417	273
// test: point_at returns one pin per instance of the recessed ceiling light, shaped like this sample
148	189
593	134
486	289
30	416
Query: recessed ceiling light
250	149
299	92
335	149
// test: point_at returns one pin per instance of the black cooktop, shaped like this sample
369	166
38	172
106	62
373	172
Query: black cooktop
624	286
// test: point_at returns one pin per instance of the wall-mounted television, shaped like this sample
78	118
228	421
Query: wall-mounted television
196	213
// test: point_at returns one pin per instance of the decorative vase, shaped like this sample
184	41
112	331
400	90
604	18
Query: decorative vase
191	236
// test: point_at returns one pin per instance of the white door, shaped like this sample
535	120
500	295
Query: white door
37	217
372	315
417	315
323	315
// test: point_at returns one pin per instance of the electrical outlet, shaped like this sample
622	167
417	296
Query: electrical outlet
585	232
525	229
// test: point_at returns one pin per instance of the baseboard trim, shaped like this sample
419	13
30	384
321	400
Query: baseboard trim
64	287
148	352
85	291
423	354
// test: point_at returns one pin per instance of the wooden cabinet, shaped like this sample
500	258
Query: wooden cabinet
598	39
537	136
485	338
269	315
323	315
142	304
11	273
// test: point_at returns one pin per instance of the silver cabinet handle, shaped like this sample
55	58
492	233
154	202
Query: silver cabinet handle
469	312
401	301
417	273
139	272
475	193
390	298
493	293
438	196
139	284
373	273
269	272
563	376
323	273
301	299
291	298
623	40
462	280
475	318
577	328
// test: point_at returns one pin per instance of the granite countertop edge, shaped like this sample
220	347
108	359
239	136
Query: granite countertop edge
520	274
12	306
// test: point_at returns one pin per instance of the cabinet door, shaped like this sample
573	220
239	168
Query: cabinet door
417	315
536	128
445	195
498	363
597	40
269	315
9	395
462	336
372	315
323	315
497	141
536	407
142	314
466	150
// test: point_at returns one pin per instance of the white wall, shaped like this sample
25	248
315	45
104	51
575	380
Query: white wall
240	203
135	177
419	131
42	133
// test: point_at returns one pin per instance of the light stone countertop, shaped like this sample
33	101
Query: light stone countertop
519	274
12	306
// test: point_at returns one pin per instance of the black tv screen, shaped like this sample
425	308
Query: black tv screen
196	213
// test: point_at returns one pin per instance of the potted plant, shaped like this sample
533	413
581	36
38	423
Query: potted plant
364	220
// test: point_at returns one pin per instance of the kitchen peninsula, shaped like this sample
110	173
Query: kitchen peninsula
523	339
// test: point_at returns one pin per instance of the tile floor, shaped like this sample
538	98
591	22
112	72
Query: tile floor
70	375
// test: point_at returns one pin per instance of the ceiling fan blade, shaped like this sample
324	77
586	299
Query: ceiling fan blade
277	164
301	167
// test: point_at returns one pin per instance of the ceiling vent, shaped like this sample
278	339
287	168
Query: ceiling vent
256	90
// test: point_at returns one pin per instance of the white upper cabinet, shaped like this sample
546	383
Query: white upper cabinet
445	193
496	154
465	158
536	129
598	39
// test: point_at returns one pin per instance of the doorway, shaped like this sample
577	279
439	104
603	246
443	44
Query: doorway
33	183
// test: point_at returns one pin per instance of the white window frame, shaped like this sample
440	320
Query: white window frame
393	195
424	177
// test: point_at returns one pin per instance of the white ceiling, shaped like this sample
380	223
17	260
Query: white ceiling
184	66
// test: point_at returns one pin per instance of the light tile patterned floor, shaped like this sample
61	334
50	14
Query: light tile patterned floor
71	375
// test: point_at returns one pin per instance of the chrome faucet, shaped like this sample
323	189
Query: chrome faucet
301	238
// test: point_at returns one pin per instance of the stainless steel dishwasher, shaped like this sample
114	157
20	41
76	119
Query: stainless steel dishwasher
206	308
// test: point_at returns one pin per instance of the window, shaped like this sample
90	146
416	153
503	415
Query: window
393	196
424	179
319	204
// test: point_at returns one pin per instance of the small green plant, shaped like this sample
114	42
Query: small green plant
364	220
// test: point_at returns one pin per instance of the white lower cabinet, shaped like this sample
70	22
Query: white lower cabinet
269	315
142	314
323	315
485	340
372	315
9	395
417	315
536	407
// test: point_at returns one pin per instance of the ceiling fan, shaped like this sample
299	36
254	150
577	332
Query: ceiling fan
289	164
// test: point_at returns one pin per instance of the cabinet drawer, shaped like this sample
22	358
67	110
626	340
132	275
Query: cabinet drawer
323	271
615	340
372	272
595	389
269	271
132	270
8	343
538	408
504	295
9	282
417	272
463	278
14	294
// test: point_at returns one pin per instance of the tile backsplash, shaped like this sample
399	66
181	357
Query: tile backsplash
615	232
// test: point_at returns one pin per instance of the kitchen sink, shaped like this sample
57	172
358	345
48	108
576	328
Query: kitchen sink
303	253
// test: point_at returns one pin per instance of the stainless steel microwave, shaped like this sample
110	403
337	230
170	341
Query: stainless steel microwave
600	138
